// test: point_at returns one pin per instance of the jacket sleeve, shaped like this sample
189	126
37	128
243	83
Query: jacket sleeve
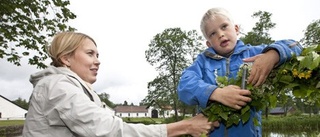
85	118
286	49
192	89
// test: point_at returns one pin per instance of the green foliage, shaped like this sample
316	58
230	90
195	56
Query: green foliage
299	75
11	131
26	25
170	52
11	128
293	123
260	33
104	97
22	103
312	33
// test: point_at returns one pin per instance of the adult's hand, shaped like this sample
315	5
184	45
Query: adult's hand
262	66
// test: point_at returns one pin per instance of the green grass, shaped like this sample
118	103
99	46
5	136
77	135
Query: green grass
144	120
11	122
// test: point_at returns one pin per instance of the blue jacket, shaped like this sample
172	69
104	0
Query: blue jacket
198	80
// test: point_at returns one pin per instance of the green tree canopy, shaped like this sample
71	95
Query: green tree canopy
22	103
260	32
170	52
104	97
26	25
312	33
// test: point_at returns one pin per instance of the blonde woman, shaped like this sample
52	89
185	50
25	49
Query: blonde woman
63	103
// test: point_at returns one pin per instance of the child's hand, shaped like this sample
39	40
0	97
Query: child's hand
231	96
262	66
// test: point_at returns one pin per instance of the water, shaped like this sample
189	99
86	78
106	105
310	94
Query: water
291	134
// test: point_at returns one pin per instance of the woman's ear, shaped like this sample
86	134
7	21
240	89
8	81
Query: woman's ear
65	60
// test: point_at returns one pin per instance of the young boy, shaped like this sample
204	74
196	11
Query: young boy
224	55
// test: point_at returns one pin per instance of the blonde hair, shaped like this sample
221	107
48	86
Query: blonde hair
65	43
211	14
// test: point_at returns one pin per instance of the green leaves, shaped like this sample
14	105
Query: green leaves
301	75
26	26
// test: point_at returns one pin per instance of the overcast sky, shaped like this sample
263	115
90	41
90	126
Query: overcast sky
123	29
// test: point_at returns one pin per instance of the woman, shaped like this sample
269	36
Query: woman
63	103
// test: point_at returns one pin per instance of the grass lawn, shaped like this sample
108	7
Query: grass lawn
11	122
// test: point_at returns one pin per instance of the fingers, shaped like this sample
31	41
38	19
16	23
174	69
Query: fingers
201	126
257	76
251	59
216	123
234	97
262	66
237	107
241	101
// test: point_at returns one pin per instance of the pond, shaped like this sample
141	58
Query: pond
291	134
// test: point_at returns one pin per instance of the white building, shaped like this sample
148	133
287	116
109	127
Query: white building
143	111
10	110
132	111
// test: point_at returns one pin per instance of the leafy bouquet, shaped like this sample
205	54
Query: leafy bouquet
298	78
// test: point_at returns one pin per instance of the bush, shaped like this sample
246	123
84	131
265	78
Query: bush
8	131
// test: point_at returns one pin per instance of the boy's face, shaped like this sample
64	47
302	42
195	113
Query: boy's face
221	34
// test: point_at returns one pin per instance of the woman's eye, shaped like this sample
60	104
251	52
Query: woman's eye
90	53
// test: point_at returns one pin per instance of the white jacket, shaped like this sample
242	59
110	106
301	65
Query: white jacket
60	108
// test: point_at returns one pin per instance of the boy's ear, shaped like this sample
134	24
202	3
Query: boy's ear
208	44
237	28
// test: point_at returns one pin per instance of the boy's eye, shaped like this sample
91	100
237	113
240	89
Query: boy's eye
212	34
224	26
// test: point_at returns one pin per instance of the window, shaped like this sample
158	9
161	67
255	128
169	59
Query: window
137	114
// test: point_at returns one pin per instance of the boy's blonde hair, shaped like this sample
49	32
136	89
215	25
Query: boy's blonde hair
210	14
65	43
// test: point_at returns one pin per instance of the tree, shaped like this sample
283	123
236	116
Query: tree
22	103
25	26
312	33
125	103
260	33
104	97
170	52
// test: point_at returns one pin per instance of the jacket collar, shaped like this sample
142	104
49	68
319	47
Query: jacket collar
211	53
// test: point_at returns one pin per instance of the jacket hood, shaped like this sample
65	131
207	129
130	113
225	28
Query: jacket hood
36	77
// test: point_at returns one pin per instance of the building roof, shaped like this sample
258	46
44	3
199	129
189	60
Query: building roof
278	110
12	102
131	109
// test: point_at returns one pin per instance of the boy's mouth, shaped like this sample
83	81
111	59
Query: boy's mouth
224	43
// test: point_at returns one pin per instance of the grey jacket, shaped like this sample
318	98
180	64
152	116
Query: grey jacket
60	108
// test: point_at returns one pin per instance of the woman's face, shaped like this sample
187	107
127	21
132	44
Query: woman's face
222	34
85	61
